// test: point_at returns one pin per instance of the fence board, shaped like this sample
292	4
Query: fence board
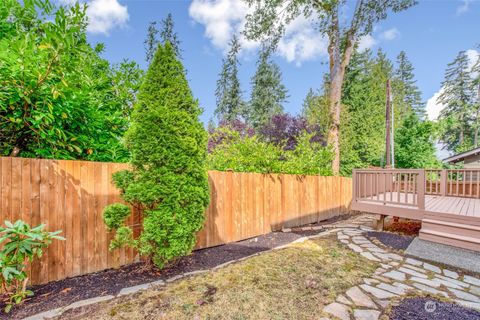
70	195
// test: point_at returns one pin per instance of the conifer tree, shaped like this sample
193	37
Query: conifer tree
408	96
156	36
151	42
168	180
167	33
230	104
457	96
268	92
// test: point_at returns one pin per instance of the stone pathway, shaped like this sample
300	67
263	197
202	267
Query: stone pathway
396	277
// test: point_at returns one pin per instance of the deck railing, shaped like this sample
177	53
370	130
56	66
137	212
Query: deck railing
390	186
409	187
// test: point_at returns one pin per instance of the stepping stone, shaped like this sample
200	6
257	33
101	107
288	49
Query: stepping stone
469	304
378	293
471	280
427	289
432	268
448	283
378	250
342	299
366	314
369	256
359	298
338	310
465	295
396	275
383	303
355	248
415	268
457	282
475	290
382	279
343	237
371	281
413	272
393	263
428	282
344	241
397	288
450	274
368	245
414	262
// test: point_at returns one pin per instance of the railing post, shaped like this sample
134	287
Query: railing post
354	185
443	182
421	190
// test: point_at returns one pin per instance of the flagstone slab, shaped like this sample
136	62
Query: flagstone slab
338	310
366	314
359	298
377	293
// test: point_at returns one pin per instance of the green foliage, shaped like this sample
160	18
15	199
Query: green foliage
459	117
244	153
415	144
168	180
407	96
115	214
58	97
20	245
268	92
123	237
230	104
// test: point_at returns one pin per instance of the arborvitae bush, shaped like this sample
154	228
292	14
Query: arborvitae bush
168	181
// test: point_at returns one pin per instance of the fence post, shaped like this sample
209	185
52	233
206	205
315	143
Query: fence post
421	190
443	182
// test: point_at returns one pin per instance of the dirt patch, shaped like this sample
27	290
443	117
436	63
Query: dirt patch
404	226
427	309
291	283
392	240
109	282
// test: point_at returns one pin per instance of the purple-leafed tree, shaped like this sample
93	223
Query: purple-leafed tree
284	130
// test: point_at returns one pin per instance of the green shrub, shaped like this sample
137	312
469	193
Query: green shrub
21	244
115	214
242	153
168	181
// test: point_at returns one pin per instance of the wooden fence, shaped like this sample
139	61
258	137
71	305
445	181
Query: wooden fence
70	196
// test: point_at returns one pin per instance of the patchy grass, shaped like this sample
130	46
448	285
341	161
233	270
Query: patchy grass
291	283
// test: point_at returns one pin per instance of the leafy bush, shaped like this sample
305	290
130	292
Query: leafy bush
21	244
168	181
114	215
250	154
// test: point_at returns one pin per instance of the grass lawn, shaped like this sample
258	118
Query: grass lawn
291	283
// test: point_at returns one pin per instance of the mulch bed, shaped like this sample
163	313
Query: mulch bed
427	309
392	240
403	226
109	282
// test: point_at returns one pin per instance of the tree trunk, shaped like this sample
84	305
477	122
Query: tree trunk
334	132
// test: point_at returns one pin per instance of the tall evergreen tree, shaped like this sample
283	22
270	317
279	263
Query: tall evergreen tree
268	91
458	98
168	179
151	42
315	107
230	104
167	33
408	96
156	36
476	86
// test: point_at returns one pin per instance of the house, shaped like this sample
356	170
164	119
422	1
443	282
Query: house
470	159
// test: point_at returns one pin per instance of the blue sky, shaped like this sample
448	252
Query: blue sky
431	33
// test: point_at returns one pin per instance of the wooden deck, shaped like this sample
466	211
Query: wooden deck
446	201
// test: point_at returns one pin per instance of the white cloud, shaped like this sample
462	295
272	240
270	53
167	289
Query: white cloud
390	34
464	7
223	18
105	15
366	42
433	107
